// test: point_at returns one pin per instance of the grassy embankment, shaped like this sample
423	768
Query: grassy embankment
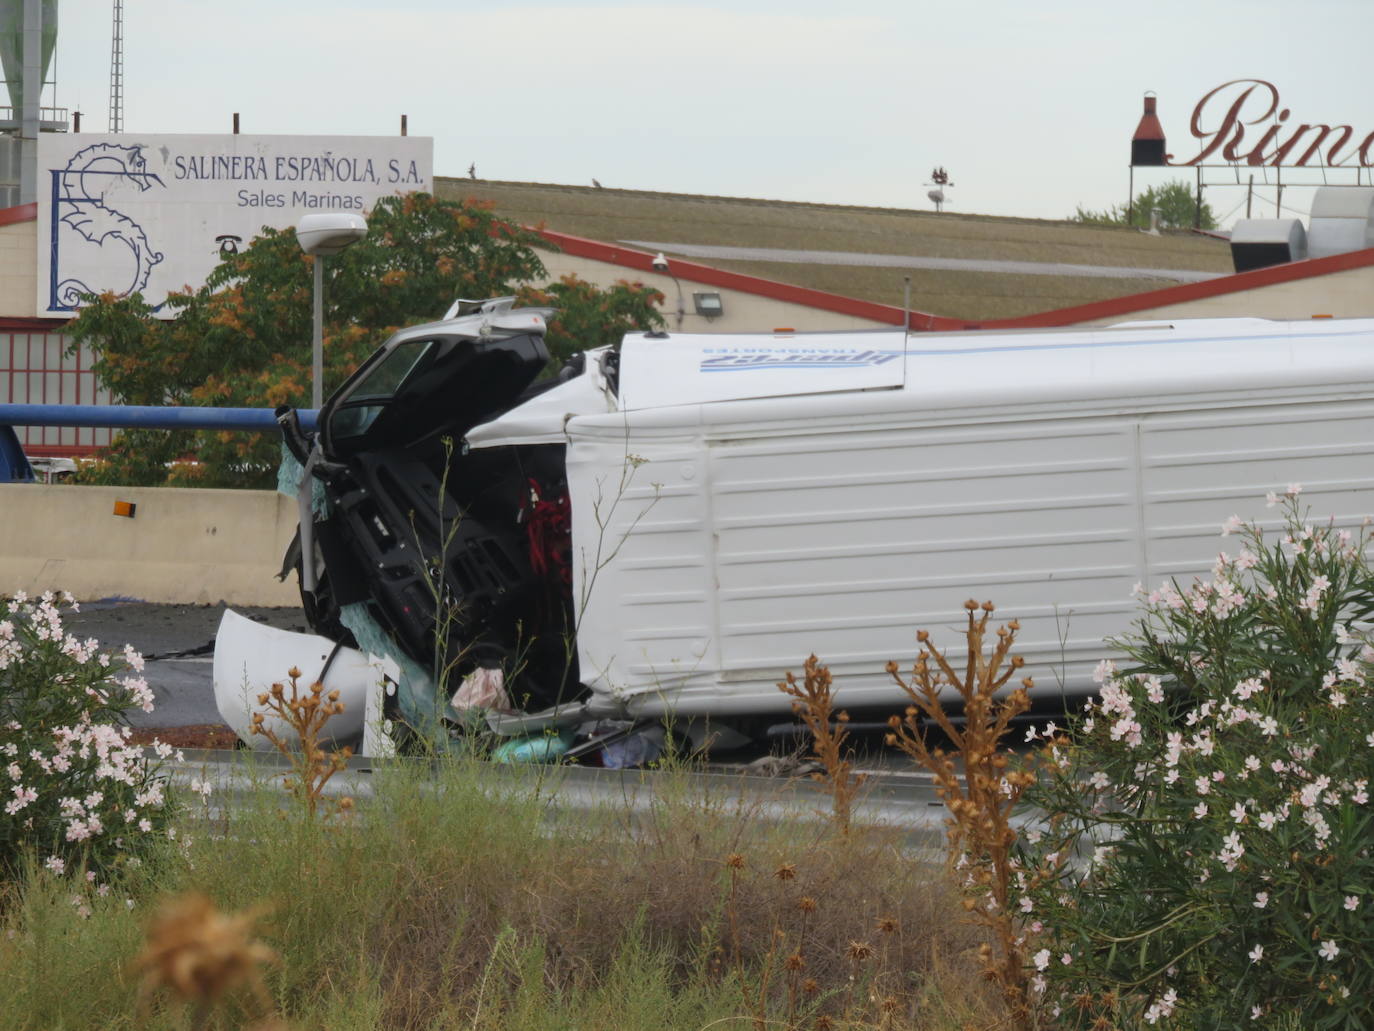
467	906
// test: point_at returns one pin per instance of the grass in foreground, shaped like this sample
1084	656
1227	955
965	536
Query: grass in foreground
468	905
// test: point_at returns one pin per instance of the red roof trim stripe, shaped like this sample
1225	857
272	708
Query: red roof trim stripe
642	261
886	313
1241	281
18	213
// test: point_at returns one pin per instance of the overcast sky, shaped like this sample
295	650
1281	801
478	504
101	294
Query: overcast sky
1029	105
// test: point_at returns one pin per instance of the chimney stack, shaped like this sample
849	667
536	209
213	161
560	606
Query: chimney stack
1147	145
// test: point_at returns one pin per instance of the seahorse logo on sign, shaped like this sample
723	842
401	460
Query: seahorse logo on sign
80	196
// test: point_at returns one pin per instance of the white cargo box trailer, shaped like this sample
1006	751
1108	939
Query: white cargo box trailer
741	502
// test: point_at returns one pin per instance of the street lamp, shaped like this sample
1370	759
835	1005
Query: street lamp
321	235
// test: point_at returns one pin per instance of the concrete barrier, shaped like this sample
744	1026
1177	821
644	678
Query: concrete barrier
182	545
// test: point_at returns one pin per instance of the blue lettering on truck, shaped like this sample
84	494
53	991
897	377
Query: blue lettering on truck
809	358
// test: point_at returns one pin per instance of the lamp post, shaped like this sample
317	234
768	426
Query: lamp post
321	235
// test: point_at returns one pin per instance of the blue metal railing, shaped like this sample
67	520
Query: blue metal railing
149	417
13	465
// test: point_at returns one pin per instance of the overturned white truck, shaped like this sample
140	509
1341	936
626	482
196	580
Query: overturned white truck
674	521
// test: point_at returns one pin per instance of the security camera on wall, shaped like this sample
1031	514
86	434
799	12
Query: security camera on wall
660	263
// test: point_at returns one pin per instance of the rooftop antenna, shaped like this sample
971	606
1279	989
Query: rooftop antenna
939	178
117	70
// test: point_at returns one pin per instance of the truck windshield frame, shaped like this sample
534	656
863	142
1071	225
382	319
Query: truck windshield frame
359	408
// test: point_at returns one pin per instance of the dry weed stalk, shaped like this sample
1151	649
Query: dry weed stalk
201	955
981	804
756	1001
789	953
814	703
305	713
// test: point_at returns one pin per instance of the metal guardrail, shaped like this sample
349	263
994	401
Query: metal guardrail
149	417
50	119
903	801
14	467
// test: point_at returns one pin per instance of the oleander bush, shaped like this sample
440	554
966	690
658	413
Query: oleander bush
1201	852
78	797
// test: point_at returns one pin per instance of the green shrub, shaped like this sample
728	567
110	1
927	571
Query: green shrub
1204	860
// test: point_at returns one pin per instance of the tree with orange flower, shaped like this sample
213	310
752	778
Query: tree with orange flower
243	339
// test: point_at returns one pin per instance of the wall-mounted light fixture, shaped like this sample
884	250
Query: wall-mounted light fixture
660	264
708	304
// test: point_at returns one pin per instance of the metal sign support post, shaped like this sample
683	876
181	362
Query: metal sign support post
317	339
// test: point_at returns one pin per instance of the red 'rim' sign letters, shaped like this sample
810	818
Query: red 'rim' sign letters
1243	121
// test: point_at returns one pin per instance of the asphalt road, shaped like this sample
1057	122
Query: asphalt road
177	642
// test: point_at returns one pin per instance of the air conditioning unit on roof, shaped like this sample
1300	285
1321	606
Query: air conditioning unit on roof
1342	220
1261	242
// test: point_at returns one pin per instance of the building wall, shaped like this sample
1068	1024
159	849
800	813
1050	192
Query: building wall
35	369
19	281
34	365
743	313
1347	294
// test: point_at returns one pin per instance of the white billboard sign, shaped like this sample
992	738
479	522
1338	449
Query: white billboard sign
156	213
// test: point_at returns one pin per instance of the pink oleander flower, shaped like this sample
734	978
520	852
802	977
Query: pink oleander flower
1154	690
1162	1007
